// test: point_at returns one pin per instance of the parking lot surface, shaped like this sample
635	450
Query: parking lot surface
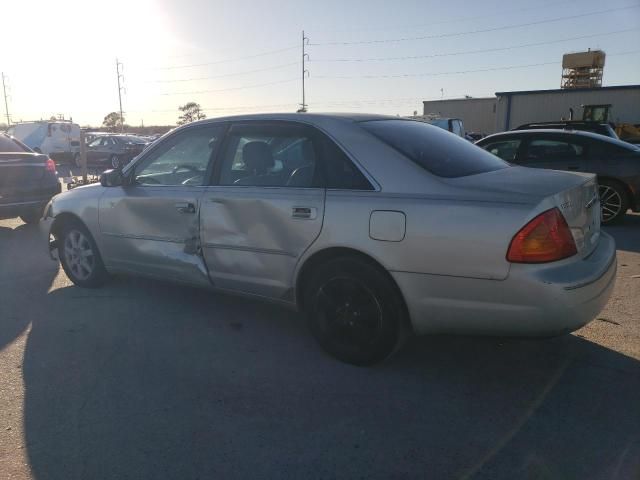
145	380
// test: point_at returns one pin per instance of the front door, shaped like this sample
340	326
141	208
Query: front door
151	226
265	210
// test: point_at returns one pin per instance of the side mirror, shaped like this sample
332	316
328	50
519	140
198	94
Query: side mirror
112	178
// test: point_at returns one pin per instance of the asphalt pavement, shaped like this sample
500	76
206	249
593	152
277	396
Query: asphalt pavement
146	380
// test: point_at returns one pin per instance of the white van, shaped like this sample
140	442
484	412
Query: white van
58	139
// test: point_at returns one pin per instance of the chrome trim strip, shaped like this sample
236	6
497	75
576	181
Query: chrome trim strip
249	249
33	202
145	237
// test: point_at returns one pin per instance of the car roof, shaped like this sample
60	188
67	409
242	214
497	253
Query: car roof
571	133
304	117
566	122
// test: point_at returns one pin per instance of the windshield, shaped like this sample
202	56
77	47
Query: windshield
435	150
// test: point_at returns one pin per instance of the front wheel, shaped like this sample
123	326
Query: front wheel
354	311
613	201
79	256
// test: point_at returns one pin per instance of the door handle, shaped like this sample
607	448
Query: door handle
185	207
304	212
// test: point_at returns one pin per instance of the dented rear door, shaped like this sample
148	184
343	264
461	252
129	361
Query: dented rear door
265	210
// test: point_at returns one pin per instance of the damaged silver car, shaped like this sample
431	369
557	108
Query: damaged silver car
373	226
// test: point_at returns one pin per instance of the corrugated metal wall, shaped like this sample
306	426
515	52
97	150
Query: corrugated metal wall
540	107
478	114
489	115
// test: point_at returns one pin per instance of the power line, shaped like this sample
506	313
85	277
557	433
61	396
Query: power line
484	30
470	52
245	72
233	88
458	72
217	62
455	20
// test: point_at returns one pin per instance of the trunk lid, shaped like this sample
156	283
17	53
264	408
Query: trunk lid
20	173
574	194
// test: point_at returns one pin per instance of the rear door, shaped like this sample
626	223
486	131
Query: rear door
265	208
557	152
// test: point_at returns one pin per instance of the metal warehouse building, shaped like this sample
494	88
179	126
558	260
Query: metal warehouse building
510	109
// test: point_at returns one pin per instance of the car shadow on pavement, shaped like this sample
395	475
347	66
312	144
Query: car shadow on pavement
626	234
25	269
145	380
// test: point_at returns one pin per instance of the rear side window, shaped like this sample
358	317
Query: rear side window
545	150
505	149
340	172
8	145
434	149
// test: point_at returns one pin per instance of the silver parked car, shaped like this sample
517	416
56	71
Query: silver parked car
374	226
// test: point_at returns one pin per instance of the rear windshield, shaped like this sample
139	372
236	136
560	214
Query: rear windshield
8	144
436	150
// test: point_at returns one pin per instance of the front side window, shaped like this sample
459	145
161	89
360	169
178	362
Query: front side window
95	143
550	150
269	157
432	148
505	149
181	159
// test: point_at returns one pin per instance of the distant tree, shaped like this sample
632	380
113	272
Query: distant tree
52	118
191	112
112	121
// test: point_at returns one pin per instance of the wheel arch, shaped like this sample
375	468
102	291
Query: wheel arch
63	219
325	255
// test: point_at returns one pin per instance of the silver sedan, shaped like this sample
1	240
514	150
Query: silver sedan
375	227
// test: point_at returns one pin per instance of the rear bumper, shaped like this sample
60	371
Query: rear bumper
15	206
534	300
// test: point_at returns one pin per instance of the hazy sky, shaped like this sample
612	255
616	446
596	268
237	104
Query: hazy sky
60	56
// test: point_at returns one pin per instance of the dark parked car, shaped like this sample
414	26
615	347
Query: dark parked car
114	150
27	181
582	126
616	163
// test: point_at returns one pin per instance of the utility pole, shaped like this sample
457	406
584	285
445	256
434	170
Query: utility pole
305	72
6	103
120	76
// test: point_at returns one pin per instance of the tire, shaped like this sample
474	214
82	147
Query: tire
80	257
354	311
614	201
115	162
32	216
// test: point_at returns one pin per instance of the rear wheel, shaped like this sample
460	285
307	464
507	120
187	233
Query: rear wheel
79	256
354	311
613	201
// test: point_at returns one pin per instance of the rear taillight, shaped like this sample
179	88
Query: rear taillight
50	166
546	238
